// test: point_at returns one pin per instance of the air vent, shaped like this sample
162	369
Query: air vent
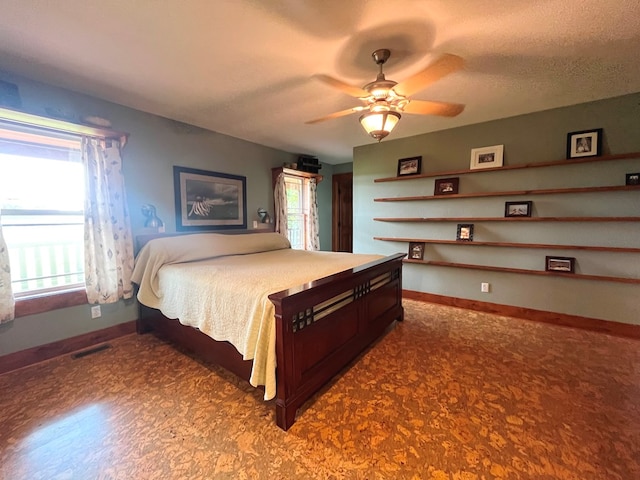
90	351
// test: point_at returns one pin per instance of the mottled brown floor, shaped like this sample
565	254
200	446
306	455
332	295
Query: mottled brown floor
449	394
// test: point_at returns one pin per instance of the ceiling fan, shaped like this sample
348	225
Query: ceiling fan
384	100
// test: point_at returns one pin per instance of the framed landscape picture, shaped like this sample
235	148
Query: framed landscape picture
446	186
209	200
409	166
560	264
632	179
487	157
517	209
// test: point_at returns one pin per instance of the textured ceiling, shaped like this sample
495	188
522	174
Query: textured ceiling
244	67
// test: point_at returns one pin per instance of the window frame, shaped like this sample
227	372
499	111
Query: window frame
46	302
290	172
40	140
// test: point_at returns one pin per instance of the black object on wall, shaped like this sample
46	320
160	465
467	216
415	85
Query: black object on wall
307	163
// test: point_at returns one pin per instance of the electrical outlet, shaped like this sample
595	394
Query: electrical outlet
96	312
484	287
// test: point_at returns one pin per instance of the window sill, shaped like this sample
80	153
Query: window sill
51	301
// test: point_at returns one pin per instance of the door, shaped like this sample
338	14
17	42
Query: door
342	212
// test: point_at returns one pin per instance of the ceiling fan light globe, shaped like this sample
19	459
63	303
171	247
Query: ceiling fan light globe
379	124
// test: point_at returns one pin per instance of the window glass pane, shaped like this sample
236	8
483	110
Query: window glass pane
47	255
297	193
42	197
29	183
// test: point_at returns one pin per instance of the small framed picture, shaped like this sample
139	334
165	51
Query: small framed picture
487	157
409	166
632	179
416	250
587	143
560	264
517	209
465	232
446	186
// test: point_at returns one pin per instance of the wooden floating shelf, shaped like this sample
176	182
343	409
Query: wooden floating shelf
576	276
294	172
514	245
554	163
547	191
509	219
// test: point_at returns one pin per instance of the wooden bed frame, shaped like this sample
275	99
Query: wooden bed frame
321	326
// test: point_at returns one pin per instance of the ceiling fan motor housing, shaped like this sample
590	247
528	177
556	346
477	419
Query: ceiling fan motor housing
381	55
380	89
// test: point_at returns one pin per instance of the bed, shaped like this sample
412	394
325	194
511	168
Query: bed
285	320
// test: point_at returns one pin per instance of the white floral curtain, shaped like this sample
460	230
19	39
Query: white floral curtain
7	302
280	200
108	256
313	226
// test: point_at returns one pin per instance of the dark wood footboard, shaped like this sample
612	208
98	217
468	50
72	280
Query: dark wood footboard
323	325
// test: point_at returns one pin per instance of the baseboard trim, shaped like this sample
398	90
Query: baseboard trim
603	326
30	356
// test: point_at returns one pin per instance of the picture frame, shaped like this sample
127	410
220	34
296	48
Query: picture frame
560	264
487	157
446	186
465	232
207	200
585	143
518	209
409	166
632	179
416	250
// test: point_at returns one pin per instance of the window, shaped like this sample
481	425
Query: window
295	196
297	190
42	201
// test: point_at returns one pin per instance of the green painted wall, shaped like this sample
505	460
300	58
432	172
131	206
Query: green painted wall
343	168
155	145
537	137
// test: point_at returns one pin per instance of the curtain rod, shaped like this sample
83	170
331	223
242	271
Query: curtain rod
60	125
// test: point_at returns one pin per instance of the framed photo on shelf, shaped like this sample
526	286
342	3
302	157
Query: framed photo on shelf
560	264
409	166
518	209
587	143
465	232
209	200
416	250
487	157
632	179
446	186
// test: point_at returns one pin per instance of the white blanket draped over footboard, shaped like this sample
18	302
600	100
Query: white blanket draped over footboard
220	284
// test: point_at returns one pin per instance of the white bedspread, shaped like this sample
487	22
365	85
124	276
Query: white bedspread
227	297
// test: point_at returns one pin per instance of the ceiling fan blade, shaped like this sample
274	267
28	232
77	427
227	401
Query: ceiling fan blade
424	107
444	65
337	115
343	87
